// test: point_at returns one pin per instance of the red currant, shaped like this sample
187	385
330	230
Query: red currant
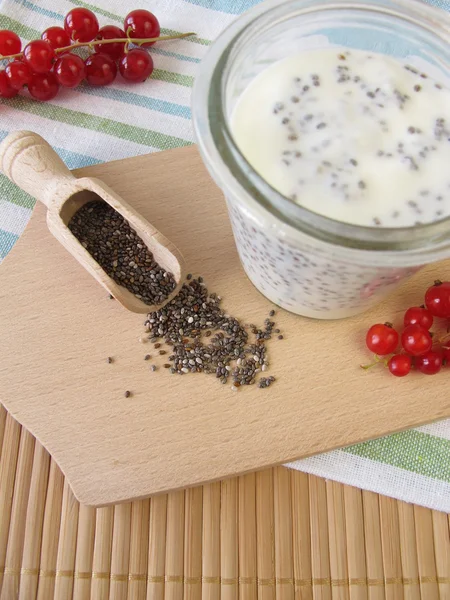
9	42
43	86
57	37
70	70
382	339
81	24
6	91
446	356
416	340
437	299
142	23
429	363
114	50
136	65
400	365
19	74
418	315
100	69
39	56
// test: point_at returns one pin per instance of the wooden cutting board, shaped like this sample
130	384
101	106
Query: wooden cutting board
58	327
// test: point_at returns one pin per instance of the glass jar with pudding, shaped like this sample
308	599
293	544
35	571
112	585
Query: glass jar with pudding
327	126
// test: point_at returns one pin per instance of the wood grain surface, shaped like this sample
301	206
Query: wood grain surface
58	328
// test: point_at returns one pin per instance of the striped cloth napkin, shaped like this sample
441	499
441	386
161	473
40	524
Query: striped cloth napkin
92	125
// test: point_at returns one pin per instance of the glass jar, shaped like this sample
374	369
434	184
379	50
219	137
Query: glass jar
302	261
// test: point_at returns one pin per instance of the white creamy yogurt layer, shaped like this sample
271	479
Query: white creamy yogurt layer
358	137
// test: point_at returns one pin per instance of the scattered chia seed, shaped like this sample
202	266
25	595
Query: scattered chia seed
111	297
417	88
265	382
147	357
229	353
153	368
120	252
127	394
110	360
162	352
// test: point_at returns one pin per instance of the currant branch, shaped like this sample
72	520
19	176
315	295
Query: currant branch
127	40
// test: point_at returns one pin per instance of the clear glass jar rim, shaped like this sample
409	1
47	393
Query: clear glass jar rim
217	145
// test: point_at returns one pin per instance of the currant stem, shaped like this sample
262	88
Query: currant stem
127	40
377	360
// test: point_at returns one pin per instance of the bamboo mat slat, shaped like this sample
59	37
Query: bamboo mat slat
229	548
356	555
410	565
272	535
84	553
157	548
211	542
301	536
373	546
137	584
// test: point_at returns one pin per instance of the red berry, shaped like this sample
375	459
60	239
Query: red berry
429	363
437	299
142	23
9	42
39	56
136	65
19	74
114	50
416	340
418	316
446	356
81	24
70	70
57	37
100	69
6	91
43	86
400	365
382	339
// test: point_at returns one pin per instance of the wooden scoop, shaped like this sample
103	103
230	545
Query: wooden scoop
30	162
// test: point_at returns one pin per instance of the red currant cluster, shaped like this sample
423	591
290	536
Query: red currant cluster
48	63
421	350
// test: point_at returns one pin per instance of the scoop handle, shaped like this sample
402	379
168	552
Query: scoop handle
32	164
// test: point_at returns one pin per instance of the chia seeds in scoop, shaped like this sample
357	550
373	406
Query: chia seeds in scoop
121	253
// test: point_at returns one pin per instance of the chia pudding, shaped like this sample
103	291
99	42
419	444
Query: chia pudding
359	137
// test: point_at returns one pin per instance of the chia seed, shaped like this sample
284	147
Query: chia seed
120	252
195	316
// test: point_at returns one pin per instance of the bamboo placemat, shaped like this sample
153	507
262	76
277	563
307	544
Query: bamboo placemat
277	534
